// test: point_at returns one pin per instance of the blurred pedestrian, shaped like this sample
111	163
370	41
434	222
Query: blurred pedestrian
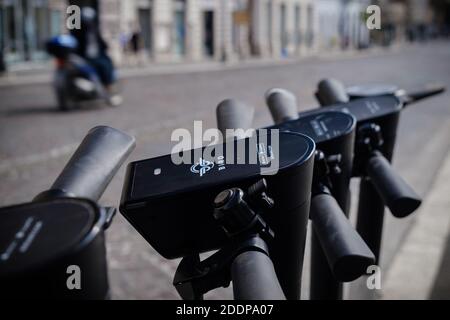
135	45
124	40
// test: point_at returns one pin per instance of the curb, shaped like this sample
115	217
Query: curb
413	274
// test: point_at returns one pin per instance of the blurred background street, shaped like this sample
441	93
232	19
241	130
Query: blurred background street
37	140
178	59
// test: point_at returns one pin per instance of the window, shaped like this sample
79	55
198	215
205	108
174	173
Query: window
269	23
298	28
11	31
55	22
284	37
310	22
41	19
180	28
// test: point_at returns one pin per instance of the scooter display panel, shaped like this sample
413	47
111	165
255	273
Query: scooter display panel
171	205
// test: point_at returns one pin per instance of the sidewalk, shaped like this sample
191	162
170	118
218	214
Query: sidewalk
41	72
421	268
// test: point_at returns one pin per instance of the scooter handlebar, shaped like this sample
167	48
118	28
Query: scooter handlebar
398	196
282	105
413	97
93	165
347	254
331	91
234	115
254	277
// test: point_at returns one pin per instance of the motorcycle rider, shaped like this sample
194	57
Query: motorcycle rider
93	49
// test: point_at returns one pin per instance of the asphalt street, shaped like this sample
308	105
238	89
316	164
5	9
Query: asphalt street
36	140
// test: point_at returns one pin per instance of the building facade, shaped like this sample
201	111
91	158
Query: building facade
193	30
25	25
441	16
221	30
282	28
353	29
175	30
341	24
413	20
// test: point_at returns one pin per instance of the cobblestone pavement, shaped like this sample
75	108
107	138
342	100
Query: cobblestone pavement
36	140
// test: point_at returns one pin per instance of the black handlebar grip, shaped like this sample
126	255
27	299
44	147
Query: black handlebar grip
331	91
234	115
93	165
347	254
413	97
397	195
254	277
282	105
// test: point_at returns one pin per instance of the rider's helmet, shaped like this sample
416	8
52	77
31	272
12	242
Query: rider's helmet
62	45
88	16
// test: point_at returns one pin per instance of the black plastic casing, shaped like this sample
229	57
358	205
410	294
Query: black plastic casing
381	110
173	210
334	134
41	240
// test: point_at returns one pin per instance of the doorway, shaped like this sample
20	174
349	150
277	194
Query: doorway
145	27
25	28
298	28
208	34
180	28
284	37
269	25
310	26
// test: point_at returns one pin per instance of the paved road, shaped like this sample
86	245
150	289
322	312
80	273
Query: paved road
35	140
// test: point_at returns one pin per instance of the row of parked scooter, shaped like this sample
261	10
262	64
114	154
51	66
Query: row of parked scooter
253	223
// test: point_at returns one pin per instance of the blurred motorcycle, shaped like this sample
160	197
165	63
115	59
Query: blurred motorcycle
75	80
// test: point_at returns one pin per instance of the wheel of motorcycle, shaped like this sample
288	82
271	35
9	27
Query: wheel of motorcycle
65	102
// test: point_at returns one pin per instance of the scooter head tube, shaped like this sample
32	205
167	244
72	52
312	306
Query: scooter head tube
171	205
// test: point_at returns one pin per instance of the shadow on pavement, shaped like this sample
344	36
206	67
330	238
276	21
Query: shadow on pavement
29	111
441	288
49	110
